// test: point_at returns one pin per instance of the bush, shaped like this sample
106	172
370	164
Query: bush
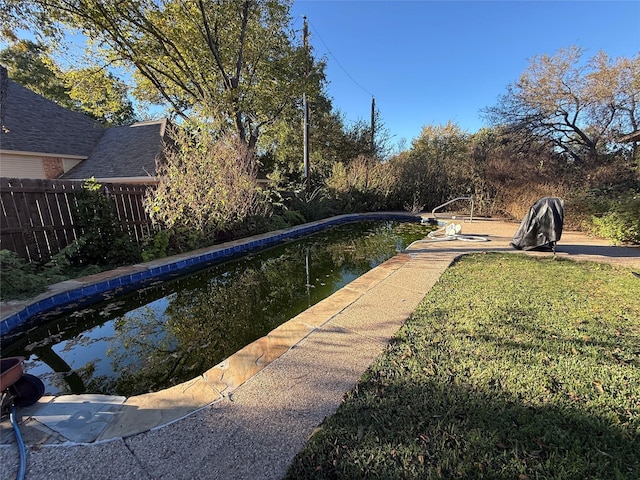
364	184
22	279
156	246
19	278
308	207
104	241
207	182
621	223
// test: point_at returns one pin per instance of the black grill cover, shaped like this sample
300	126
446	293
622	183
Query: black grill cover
541	228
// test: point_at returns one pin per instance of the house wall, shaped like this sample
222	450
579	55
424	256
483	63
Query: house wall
69	163
53	167
18	166
34	166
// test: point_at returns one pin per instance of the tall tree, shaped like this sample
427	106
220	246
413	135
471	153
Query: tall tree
100	94
576	105
29	65
437	168
92	91
227	60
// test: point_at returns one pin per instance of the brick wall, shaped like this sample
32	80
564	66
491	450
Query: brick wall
53	167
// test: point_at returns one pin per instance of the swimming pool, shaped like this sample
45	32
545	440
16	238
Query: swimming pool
173	330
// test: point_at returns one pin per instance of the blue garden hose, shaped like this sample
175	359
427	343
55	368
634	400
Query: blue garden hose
22	468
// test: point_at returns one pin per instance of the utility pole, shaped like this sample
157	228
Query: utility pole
305	105
373	125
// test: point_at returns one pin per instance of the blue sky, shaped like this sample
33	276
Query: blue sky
428	62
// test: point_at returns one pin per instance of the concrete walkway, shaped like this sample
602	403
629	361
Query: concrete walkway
248	417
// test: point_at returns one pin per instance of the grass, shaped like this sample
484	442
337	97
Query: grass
511	368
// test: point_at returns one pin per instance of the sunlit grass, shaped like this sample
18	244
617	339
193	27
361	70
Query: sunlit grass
512	367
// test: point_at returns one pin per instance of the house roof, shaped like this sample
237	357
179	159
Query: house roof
30	123
33	123
128	151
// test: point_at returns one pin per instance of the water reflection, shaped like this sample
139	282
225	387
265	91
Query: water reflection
173	331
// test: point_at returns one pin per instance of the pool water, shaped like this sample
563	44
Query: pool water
173	331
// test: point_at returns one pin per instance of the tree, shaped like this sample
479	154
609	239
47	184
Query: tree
92	91
282	145
575	105
232	61
29	65
331	141
100	95
437	168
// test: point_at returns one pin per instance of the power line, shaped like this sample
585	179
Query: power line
315	30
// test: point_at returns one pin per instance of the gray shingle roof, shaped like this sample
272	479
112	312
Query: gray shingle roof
32	123
123	152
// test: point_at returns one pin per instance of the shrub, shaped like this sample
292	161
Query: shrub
621	223
438	168
22	279
515	202
19	278
207	182
292	218
364	184
156	246
104	241
308	207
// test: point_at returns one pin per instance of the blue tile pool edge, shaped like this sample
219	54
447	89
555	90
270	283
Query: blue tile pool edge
183	263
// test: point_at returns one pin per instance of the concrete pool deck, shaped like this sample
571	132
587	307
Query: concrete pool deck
250	415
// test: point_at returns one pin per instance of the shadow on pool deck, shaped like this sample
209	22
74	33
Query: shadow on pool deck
250	415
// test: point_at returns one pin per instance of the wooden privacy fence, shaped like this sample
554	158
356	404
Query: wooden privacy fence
37	215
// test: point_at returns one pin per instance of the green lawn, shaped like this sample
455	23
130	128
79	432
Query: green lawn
511	368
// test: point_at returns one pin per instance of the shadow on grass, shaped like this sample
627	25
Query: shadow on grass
439	428
498	374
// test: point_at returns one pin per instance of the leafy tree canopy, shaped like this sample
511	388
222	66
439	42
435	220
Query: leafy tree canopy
580	106
29	65
231	61
91	90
